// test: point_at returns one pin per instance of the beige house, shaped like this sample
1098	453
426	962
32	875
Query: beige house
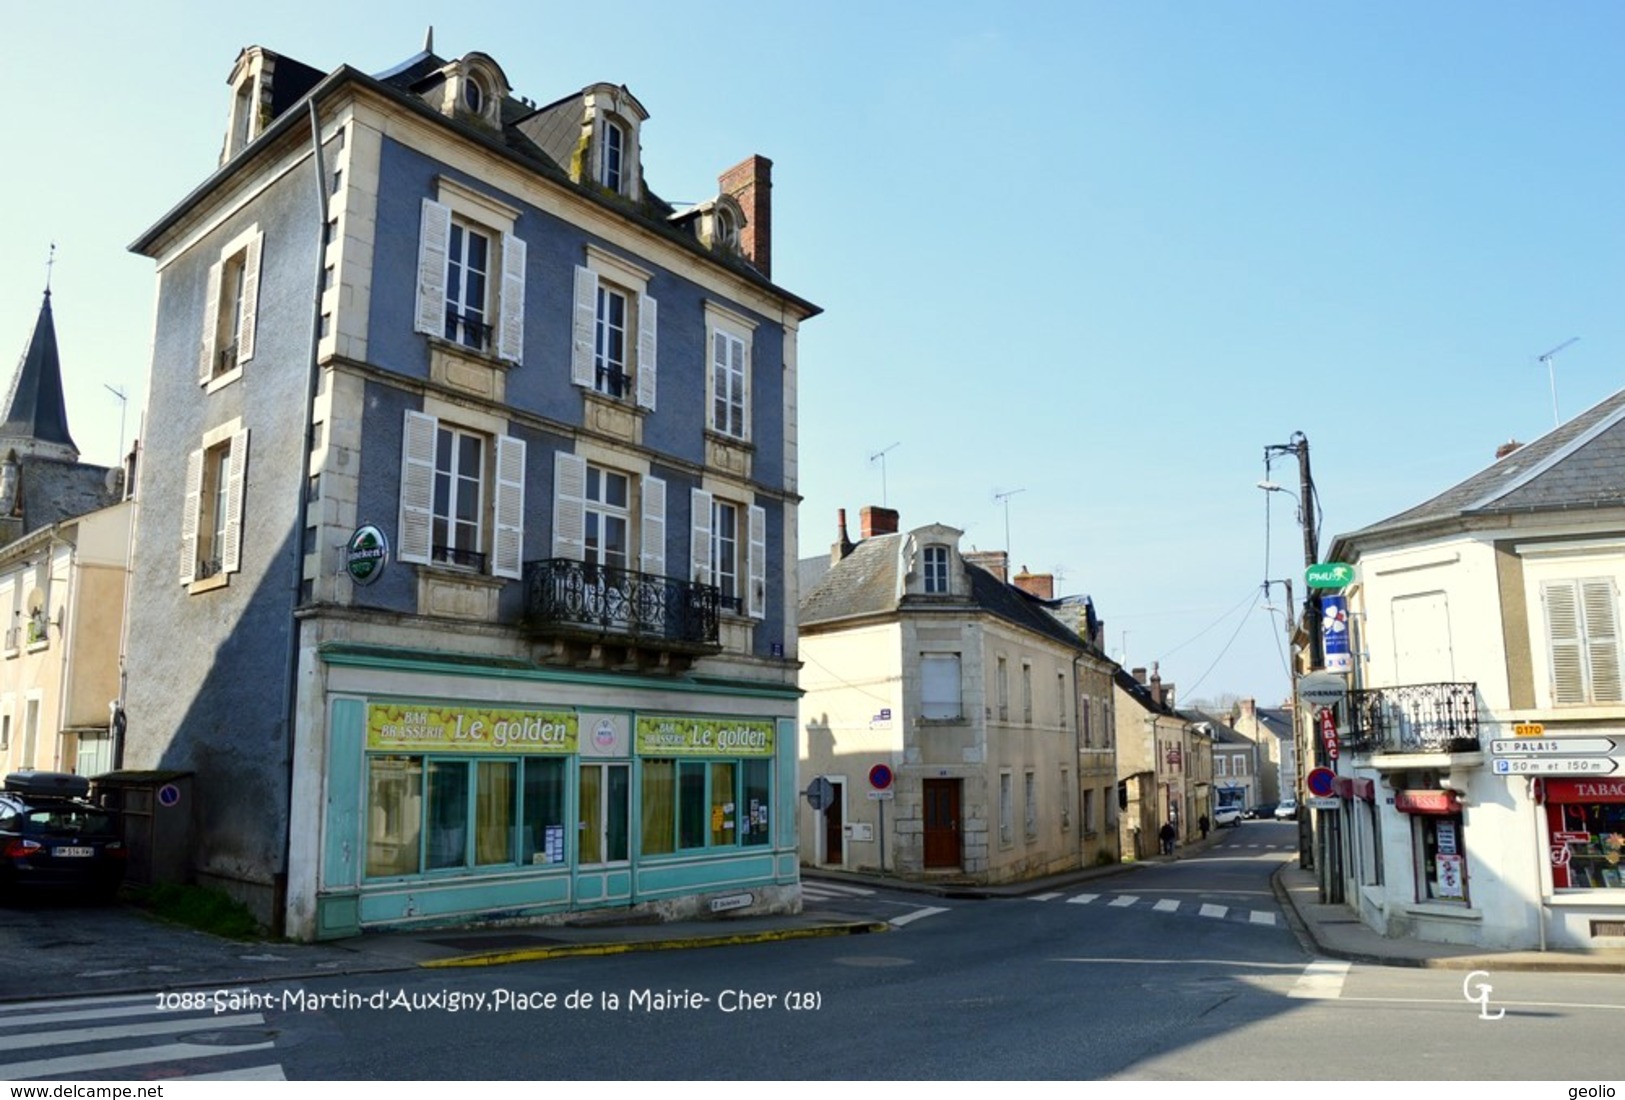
1164	767
1270	728
989	716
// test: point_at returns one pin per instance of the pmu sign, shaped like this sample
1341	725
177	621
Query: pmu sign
1329	574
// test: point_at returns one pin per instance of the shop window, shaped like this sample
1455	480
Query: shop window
447	844
496	804
541	822
605	800
394	815
1441	858
756	791
1588	841
694	804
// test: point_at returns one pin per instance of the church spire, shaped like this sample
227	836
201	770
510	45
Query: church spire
36	413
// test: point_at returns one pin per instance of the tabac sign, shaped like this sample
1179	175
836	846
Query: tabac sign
464	727
689	736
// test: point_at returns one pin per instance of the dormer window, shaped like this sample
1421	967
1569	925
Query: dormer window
613	174
936	570
727	231
473	95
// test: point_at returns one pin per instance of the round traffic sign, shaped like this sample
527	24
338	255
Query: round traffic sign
880	777
169	795
1321	782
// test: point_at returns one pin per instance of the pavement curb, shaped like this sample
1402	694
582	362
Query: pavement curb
576	950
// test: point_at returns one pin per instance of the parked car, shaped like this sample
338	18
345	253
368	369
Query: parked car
52	838
1287	811
1261	812
1226	815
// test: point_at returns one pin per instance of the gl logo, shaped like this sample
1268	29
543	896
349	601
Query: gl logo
1478	992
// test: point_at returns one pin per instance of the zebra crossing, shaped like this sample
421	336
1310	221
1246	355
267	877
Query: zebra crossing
1211	910
124	1037
832	891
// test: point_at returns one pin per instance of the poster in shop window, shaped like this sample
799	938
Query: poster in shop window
1451	881
1447	838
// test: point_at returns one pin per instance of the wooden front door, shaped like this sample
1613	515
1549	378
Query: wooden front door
834	832
942	823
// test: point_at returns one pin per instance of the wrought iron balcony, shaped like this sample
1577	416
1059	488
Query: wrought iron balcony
1414	718
569	598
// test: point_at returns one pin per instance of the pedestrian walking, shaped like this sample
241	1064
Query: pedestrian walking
1167	834
1201	823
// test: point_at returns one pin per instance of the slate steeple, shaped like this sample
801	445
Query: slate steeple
36	420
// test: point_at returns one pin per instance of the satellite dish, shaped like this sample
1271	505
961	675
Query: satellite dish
36	603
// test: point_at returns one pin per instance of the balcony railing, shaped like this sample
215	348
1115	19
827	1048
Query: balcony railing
1414	718
467	329
566	597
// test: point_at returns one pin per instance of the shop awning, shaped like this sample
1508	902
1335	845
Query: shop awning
1585	790
1350	787
1427	802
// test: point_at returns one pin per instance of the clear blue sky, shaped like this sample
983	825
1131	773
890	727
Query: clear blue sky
1101	253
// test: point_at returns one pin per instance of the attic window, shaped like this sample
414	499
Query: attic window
727	232
473	95
614	151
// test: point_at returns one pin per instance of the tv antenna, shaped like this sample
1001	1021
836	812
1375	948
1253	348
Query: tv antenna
1551	372
123	406
1004	499
880	457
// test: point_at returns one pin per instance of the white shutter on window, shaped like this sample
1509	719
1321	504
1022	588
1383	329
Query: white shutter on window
647	312
569	506
1601	639
585	327
191	501
758	562
434	242
1563	638
511	338
248	312
654	527
508	544
699	546
211	326
231	554
415	537
740	410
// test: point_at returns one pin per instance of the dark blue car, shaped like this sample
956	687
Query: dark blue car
51	838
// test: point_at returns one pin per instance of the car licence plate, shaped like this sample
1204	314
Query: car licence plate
73	851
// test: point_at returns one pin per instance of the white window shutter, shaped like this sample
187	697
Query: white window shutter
585	328
231	554
211	326
511	338
434	242
1563	638
647	312
569	506
758	562
508	544
249	310
654	527
1602	639
414	539
699	547
191	502
741	399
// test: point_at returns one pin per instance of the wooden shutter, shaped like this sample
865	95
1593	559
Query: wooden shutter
249	308
740	416
585	328
231	554
647	312
758	562
511	306
1563	640
434	242
191	501
508	540
569	506
416	535
699	544
1601	639
654	527
211	325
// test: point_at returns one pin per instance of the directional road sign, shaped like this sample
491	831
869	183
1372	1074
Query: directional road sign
1556	765
1566	746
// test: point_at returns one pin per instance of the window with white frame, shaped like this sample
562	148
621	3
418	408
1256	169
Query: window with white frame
1220	767
1238	766
607	518
1067	797
1027	693
212	508
1001	684
616	322
940	686
231	309
1582	634
612	164
1030	790
1006	829
936	570
471	272
719	544
462	497
729	335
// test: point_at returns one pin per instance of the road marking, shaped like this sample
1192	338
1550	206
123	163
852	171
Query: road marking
1240	963
1210	910
1258	916
831	889
121	1031
1082	899
1123	900
1044	897
252	1073
144	1009
910	918
1322	980
1166	905
114	1059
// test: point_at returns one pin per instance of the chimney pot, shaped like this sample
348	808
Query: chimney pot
1041	585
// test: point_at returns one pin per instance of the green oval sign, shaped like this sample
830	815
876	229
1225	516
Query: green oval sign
1329	574
366	555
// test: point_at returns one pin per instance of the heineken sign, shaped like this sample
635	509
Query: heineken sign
366	554
1329	574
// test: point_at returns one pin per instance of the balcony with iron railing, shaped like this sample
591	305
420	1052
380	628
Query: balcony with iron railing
573	600
467	329
1414	718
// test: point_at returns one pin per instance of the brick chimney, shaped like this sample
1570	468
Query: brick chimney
843	544
1041	585
1138	674
750	182
879	521
996	562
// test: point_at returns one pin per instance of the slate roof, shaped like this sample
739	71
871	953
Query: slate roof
1223	733
1579	465
36	412
53	491
864	583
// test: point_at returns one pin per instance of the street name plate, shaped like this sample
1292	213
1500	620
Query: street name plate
1541	746
882	796
1556	765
